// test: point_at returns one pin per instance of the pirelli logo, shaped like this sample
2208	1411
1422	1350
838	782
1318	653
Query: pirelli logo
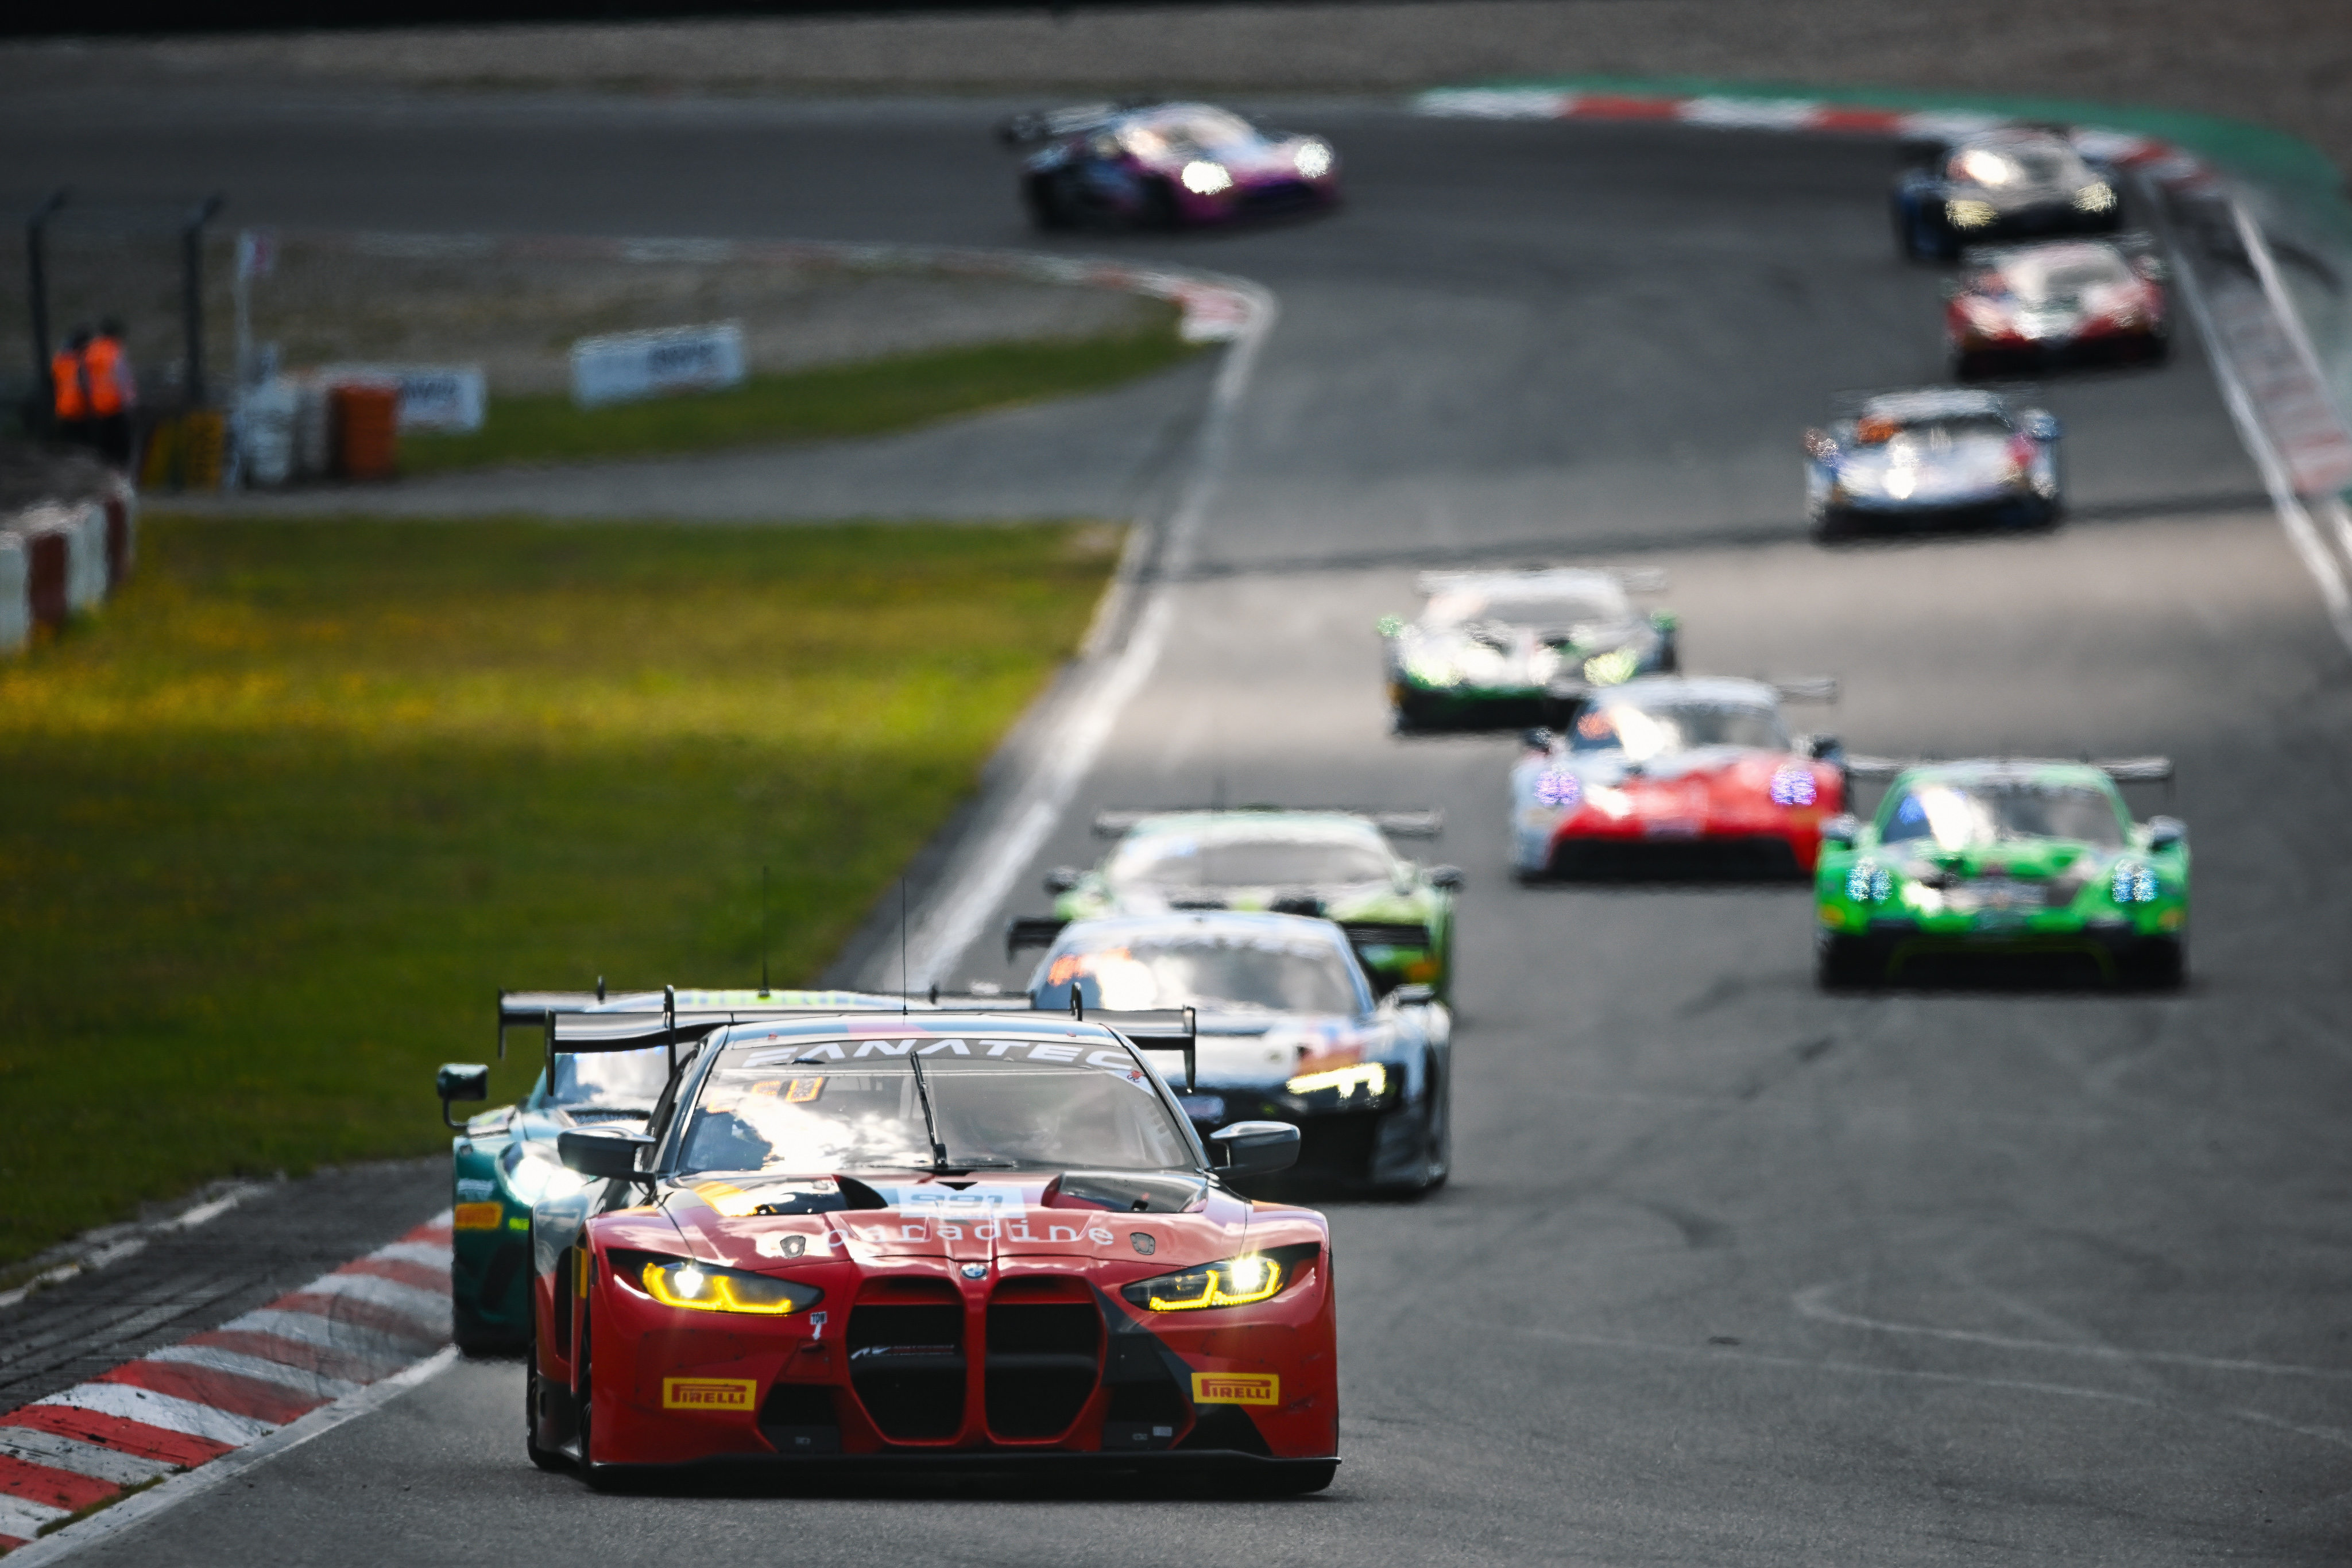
1237	1388
709	1393
477	1215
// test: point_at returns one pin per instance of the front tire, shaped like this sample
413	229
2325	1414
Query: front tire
1291	1480
545	1458
1848	964
2161	963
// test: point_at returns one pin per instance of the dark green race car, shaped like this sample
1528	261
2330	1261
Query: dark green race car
2038	863
1495	649
504	1161
1337	864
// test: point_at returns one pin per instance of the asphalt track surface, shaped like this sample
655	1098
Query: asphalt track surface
1729	1272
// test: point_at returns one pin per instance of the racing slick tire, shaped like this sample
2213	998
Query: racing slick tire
1670	654
2159	964
1159	210
1292	1480
600	1478
545	1458
1848	964
1048	197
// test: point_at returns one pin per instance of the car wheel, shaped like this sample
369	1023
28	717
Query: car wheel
1048	198
600	1478
2161	963
1439	1138
1291	1480
1670	655
545	1458
1848	964
1159	210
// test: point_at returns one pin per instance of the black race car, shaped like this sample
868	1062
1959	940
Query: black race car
2013	183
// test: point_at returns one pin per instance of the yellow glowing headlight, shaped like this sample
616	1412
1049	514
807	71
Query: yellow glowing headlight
1368	1078
1608	669
704	1288
1235	1282
2095	198
1966	213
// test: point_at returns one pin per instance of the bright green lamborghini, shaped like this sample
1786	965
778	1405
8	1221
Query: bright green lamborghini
2036	863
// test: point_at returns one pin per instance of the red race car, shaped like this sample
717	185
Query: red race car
2031	307
1666	774
931	1239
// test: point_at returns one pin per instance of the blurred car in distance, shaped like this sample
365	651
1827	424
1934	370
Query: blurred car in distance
2009	182
1675	775
1939	457
2022	309
1488	645
1165	166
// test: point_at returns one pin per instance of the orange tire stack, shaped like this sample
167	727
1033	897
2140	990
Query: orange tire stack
367	430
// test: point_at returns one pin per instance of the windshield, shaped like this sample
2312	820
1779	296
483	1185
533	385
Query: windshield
1213	969
1601	602
1969	816
2016	165
1180	861
1645	732
1936	432
2034	279
816	1107
613	1079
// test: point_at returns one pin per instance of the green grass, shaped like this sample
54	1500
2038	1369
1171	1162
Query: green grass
868	398
273	831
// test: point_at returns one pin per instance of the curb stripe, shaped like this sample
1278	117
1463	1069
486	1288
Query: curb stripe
175	1449
265	1402
63	1490
68	1454
314	1352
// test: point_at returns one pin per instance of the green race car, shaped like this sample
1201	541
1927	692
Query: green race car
504	1160
1337	864
2038	862
1498	649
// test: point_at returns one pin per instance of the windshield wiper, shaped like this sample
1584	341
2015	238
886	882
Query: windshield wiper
605	1110
930	1127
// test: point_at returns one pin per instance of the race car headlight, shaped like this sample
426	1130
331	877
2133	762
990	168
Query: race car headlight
1558	787
1431	672
1358	1084
1967	213
536	1172
1204	178
2097	196
1609	669
1869	883
2133	884
1233	1282
1313	160
707	1288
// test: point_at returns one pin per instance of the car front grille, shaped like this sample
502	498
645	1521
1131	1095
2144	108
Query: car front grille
907	1361
1044	1357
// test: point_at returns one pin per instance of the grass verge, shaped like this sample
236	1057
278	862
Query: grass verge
868	398
273	831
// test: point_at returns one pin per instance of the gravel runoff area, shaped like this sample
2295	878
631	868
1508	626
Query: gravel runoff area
2281	63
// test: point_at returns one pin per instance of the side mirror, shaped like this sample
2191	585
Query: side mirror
2041	424
2167	832
1448	877
608	1155
1253	1148
1820	745
460	1081
1841	831
1414	995
1061	879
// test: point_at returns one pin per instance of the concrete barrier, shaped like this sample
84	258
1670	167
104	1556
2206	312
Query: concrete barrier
63	559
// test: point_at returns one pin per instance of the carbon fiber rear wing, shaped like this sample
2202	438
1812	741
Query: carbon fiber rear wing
1160	1030
1426	822
2122	770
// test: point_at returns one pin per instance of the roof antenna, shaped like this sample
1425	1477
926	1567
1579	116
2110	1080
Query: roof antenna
763	933
1077	1002
902	947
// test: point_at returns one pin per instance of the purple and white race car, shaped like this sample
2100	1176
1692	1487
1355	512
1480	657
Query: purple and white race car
1165	165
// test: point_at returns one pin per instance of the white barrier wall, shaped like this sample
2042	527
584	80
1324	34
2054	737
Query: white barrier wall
623	366
15	595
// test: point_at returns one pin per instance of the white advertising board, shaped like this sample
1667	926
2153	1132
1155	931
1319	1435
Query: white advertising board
432	397
623	366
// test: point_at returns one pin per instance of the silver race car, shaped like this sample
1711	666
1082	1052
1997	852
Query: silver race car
1941	457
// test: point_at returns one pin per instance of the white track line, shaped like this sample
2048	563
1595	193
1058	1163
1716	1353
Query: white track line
1067	754
138	1509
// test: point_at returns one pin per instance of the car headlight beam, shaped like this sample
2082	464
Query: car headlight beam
1230	1282
1204	178
1367	1079
708	1288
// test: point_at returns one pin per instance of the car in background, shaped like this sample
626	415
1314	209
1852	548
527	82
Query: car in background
2021	308
1695	775
2005	858
1337	864
1941	458
1288	1029
1488	646
2008	183
933	1242
504	1161
1164	166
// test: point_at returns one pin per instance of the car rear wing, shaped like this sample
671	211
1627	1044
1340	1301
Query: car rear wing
1169	1031
2122	770
1032	126
2137	246
1031	931
1363	934
1424	822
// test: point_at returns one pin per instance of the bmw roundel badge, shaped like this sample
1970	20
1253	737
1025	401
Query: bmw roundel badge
975	1270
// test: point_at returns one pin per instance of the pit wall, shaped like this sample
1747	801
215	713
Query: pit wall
2267	208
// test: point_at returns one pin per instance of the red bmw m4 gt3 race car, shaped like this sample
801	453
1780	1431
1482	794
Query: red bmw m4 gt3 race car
933	1239
1670	775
